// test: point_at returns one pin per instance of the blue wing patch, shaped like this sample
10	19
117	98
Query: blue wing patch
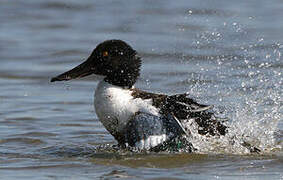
149	132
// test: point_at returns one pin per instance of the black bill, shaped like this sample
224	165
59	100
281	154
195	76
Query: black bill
82	70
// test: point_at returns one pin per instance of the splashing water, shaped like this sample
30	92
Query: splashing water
252	122
248	126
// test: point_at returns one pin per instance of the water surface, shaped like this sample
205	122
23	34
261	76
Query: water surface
224	53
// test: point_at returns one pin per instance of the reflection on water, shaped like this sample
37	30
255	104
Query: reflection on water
225	53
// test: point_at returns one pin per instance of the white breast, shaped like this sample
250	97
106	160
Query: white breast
115	106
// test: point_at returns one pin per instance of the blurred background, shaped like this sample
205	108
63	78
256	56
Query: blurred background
226	53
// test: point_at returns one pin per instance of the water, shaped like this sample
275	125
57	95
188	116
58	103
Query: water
224	53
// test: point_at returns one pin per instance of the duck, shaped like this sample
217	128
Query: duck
136	118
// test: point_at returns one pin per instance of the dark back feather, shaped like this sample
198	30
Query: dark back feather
184	108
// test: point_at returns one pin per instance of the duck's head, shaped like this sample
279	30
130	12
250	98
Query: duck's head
114	59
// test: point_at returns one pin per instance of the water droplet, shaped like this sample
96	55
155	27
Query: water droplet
260	39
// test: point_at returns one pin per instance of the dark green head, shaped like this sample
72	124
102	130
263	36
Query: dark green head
114	59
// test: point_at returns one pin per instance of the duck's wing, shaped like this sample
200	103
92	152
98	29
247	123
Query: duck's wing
182	107
149	132
187	108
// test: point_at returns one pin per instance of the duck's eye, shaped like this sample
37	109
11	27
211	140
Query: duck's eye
105	53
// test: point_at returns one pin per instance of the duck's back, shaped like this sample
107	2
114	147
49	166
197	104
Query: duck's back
184	108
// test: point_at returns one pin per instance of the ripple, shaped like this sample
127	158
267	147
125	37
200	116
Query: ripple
117	174
21	140
37	134
190	81
70	52
215	12
89	132
65	6
12	75
22	119
71	165
153	160
73	125
203	57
